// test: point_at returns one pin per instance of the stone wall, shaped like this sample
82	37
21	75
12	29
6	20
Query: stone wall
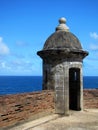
90	98
20	107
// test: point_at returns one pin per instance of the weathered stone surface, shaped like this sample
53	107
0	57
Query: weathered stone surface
62	56
62	39
20	107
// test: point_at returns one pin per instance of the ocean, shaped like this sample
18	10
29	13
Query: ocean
22	84
19	84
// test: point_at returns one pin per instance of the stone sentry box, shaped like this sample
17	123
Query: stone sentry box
62	56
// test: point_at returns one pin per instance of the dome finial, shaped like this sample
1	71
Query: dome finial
62	26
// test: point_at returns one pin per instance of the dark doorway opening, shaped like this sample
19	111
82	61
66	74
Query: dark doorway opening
74	89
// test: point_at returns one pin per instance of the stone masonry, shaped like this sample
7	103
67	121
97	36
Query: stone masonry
62	56
18	108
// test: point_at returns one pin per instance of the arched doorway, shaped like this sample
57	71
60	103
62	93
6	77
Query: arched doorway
74	89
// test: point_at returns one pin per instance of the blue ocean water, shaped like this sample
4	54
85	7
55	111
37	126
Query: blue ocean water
90	82
22	84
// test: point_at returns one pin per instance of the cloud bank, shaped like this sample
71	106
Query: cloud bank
18	61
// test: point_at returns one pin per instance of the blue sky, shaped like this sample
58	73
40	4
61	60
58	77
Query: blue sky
26	24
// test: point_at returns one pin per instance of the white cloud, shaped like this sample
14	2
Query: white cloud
94	35
94	47
19	67
4	50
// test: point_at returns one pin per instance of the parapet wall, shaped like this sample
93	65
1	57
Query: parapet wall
90	98
20	107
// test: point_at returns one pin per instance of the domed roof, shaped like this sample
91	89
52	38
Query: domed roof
62	38
62	43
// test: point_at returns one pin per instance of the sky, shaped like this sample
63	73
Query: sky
26	24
